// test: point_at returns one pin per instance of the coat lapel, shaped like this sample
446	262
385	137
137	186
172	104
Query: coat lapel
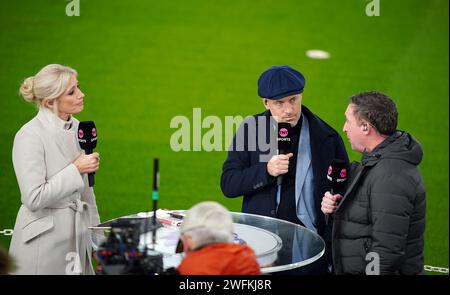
65	140
320	156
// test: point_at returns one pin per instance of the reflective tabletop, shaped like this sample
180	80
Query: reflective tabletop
279	245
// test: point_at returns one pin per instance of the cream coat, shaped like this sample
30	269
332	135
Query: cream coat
51	232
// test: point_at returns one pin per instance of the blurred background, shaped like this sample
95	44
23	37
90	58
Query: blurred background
143	62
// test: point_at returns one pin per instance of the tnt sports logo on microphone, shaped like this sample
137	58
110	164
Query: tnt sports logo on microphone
343	173
283	132
80	133
94	132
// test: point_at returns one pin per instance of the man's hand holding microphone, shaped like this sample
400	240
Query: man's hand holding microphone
337	180
330	203
278	164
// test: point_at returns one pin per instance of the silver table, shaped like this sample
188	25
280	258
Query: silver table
279	245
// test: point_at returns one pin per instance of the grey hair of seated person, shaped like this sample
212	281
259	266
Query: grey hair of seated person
208	223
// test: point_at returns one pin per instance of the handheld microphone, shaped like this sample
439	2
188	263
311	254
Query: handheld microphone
87	138
337	178
284	142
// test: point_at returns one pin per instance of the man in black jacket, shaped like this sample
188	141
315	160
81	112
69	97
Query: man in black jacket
379	223
252	172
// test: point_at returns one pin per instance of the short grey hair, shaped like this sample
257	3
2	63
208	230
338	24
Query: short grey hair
206	236
208	223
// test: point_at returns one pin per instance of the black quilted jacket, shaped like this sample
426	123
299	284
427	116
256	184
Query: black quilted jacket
383	212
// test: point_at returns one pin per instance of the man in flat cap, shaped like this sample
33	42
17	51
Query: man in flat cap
314	145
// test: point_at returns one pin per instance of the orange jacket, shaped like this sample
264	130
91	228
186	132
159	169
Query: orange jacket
220	259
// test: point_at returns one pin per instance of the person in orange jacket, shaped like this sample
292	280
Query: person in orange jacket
206	234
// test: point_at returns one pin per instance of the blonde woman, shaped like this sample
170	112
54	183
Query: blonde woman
51	231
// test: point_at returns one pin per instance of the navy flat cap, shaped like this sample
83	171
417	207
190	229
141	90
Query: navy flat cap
280	81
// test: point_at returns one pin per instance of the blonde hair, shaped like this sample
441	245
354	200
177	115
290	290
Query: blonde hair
48	84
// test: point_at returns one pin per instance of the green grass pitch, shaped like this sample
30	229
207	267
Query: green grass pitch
142	62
